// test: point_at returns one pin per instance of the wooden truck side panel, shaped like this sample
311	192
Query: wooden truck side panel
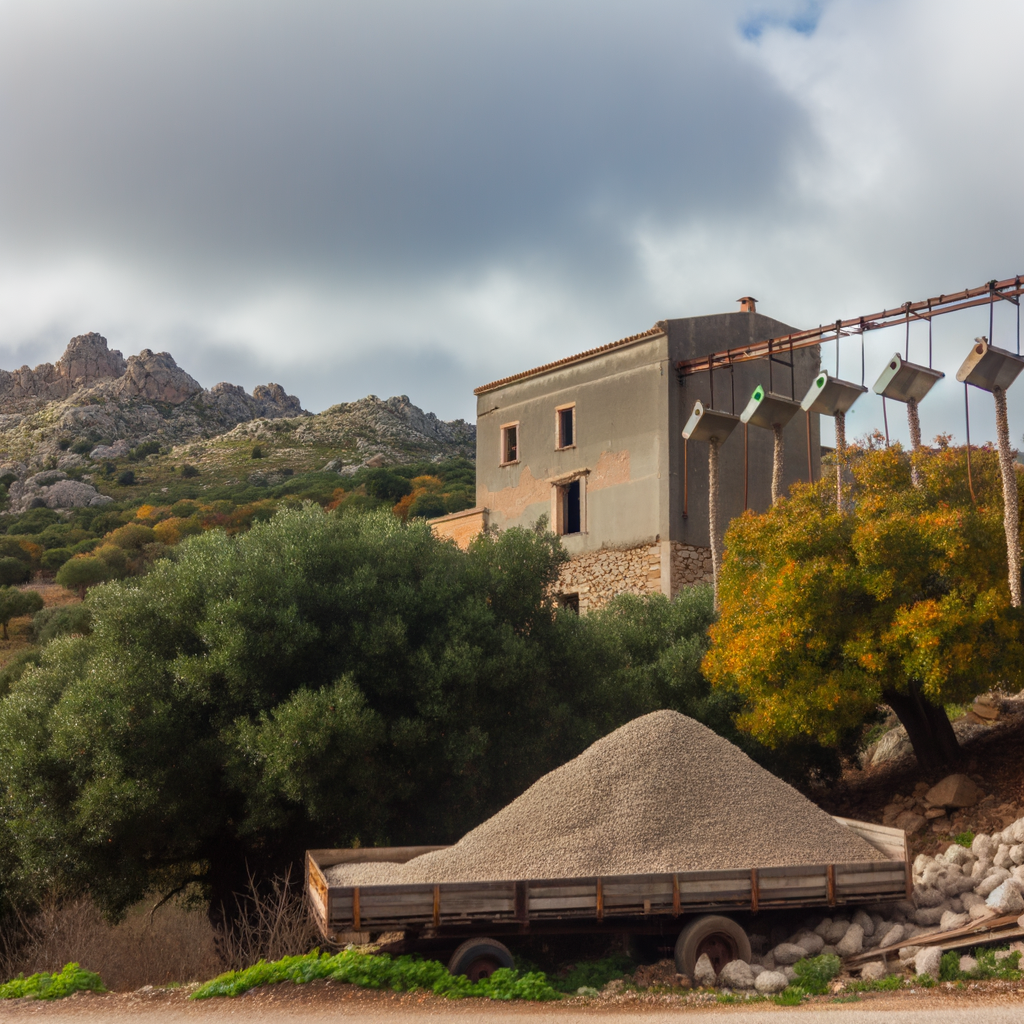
472	905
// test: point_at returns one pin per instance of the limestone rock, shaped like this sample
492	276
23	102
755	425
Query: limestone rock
892	936
873	971
1006	898
979	911
117	450
1002	859
770	982
789	973
836	931
925	896
954	791
852	942
968	964
736	974
788	953
992	881
703	973
928	961
910	822
950	921
823	927
892	746
864	920
930	916
812	943
156	376
982	847
957	854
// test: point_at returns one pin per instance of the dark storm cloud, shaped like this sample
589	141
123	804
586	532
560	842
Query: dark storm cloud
394	137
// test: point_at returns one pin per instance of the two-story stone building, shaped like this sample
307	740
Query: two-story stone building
593	442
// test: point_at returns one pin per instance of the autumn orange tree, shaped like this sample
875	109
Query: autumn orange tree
900	598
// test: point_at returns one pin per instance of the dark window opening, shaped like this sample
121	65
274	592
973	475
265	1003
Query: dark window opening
511	446
571	508
571	601
565	434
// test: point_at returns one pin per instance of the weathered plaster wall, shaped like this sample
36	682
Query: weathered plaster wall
620	450
460	527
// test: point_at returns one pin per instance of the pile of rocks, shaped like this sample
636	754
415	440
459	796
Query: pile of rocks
53	489
957	804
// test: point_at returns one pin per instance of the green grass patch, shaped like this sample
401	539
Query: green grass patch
964	839
52	986
596	974
1006	969
791	996
400	974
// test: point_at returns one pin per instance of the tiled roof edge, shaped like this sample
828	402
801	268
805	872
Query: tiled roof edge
589	354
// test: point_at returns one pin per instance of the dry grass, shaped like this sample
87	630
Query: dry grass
162	946
272	921
171	945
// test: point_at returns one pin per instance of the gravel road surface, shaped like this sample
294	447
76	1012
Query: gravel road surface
318	1004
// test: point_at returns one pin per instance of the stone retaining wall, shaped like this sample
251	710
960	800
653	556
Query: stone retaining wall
597	577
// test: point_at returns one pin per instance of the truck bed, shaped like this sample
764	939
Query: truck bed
457	908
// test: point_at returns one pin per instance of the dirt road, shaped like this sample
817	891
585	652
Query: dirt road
323	1003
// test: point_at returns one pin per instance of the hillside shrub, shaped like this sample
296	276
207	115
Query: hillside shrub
14	571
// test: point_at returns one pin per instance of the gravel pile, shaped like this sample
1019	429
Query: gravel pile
663	793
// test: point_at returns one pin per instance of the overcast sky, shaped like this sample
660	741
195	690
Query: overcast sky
400	197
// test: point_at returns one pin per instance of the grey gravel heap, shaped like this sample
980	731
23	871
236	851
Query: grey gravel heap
663	793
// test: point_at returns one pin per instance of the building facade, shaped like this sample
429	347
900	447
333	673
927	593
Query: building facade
593	444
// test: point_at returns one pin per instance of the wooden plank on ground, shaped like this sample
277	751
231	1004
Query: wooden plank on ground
974	932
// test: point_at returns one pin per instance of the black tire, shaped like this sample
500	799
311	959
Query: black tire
721	938
480	958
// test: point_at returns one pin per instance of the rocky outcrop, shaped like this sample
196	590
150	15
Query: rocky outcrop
86	360
53	489
156	376
92	394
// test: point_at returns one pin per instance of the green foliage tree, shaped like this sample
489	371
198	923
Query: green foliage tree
427	506
15	603
319	680
14	571
387	486
83	572
901	598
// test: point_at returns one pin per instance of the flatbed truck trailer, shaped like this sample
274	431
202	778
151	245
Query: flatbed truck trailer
698	909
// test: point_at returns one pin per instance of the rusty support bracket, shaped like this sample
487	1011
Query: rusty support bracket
755	891
356	921
830	884
600	900
676	907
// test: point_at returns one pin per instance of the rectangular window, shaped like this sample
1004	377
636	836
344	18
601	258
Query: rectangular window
571	602
510	443
571	507
565	427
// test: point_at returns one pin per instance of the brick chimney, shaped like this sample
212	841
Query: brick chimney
747	304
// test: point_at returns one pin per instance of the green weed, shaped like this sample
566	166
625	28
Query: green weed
814	973
52	986
964	839
1007	969
401	974
791	996
596	974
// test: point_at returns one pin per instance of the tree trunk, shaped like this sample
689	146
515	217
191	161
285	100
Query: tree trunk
777	463
716	547
1011	509
927	725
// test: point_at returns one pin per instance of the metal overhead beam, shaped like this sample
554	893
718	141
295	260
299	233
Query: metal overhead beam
985	294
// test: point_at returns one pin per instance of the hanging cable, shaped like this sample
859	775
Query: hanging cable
885	420
906	353
929	336
839	331
862	351
1017	284
967	420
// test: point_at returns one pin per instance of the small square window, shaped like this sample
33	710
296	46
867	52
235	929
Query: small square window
510	443
566	427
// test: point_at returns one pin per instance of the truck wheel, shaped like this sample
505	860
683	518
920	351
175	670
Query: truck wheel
721	938
480	958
